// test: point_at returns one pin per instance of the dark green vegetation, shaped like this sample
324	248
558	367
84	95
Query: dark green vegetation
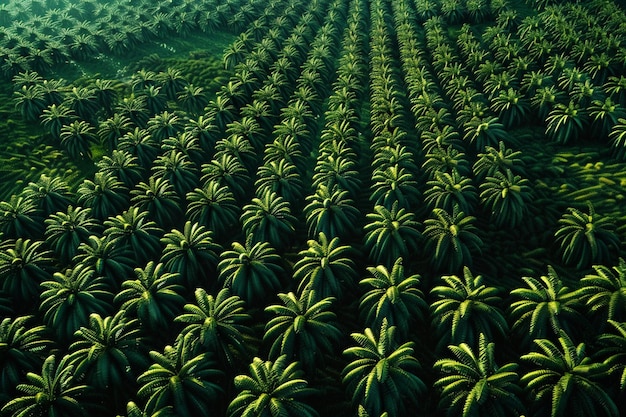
312	208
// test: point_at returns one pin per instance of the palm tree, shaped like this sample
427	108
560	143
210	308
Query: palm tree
20	218
112	129
613	348
192	99
393	297
175	167
181	378
268	218
325	267
214	207
163	125
331	211
190	253
302	328
393	184
474	385
449	189
108	260
586	238
69	295
484	131
53	392
566	123
544	308
140	144
55	116
24	265
390	234
252	271
499	159
604	292
30	101
273	388
22	344
172	82
506	196
83	101
227	170
281	177
109	354
153	297
382	375
123	166
217	325
451	238
158	198
66	230
565	381
464	308
105	195
134	231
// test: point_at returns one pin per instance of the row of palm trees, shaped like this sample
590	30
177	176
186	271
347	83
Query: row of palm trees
144	246
40	36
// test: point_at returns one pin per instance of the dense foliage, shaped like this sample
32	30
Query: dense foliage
357	208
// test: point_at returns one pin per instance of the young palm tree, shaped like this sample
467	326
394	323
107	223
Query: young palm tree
215	208
544	308
394	184
217	325
123	166
325	268
182	379
192	254
163	125
484	131
55	116
50	194
30	101
586	238
252	271
499	159
66	230
68	295
393	297
332	212
272	388
390	234
282	178
108	260
451	238
24	265
473	384
153	297
604	292
140	144
464	308
227	170
20	218
134	231
566	123
564	381
109	354
23	344
175	167
613	348
506	196
302	328
105	195
158	198
447	190
382	375
53	392
268	218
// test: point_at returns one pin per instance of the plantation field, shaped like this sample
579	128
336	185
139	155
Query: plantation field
312	208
